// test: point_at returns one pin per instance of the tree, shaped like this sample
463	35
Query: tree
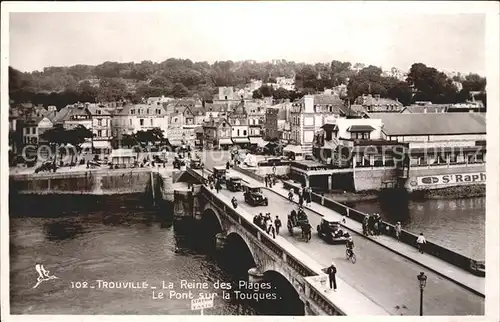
431	85
257	94
266	91
179	90
281	94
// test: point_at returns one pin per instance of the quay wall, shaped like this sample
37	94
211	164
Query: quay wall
109	182
474	266
373	178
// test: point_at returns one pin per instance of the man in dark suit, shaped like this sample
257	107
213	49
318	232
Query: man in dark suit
331	271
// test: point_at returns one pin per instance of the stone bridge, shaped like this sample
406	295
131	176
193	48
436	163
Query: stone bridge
276	258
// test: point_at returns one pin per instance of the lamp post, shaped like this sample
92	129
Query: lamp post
422	279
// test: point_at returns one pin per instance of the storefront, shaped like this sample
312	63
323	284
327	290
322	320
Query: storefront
225	143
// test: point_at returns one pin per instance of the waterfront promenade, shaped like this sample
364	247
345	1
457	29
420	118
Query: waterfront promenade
384	276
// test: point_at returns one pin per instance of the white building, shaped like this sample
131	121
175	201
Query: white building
309	114
140	117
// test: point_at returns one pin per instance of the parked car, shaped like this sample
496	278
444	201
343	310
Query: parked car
233	184
254	196
331	231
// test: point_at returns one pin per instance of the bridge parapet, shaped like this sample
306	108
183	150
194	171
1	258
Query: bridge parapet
310	280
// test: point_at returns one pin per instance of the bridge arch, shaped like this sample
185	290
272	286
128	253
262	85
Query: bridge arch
238	256
288	300
209	225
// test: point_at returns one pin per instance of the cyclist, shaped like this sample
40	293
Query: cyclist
349	246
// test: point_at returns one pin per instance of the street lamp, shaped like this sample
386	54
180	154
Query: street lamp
422	279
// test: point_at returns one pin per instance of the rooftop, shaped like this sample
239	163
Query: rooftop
431	123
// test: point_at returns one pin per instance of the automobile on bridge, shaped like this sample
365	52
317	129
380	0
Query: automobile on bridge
233	183
331	231
220	173
195	163
253	195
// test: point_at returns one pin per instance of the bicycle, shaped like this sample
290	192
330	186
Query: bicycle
349	254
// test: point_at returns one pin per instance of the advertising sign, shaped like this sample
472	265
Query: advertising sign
451	179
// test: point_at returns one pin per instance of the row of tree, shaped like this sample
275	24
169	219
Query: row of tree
112	81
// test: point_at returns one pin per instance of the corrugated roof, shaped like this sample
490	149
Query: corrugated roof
431	123
434	108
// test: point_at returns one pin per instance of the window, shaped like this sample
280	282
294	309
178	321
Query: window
99	133
151	122
238	132
99	122
158	111
106	133
244	132
132	111
147	111
33	130
453	158
141	122
130	121
99	112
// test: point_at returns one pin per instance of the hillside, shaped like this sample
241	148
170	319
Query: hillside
111	81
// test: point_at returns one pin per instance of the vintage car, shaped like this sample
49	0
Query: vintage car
195	163
220	173
178	163
253	195
331	231
46	166
233	183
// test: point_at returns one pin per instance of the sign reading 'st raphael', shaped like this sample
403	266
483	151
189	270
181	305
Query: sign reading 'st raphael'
452	179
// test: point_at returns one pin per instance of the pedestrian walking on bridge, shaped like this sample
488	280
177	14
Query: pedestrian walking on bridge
420	243
398	230
331	271
277	224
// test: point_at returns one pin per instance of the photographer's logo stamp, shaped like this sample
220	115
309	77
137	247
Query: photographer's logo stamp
43	275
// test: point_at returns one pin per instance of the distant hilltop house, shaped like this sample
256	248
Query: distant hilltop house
377	104
161	99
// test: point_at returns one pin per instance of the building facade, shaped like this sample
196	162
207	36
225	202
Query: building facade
309	114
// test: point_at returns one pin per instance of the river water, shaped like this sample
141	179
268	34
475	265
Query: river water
112	239
457	224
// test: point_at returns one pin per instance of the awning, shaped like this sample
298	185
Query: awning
225	142
360	128
297	149
259	141
241	140
330	127
102	145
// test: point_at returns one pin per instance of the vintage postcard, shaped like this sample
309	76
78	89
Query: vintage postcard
250	158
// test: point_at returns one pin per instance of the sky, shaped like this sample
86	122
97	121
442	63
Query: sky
295	31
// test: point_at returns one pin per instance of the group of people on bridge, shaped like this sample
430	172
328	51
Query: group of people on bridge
270	180
214	182
304	194
372	225
266	223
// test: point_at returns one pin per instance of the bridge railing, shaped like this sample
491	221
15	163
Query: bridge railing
474	266
306	272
